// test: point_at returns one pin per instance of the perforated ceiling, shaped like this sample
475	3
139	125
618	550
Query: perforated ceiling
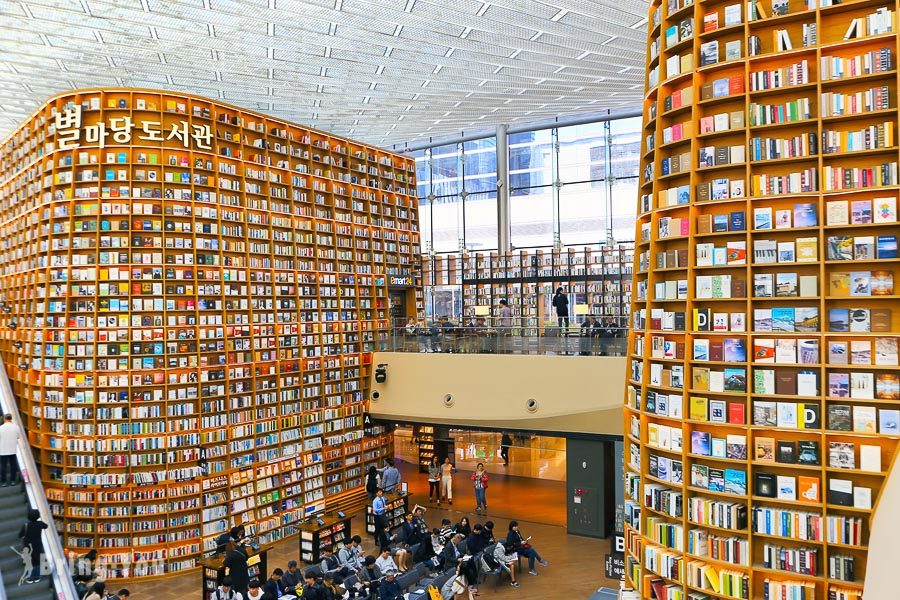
382	71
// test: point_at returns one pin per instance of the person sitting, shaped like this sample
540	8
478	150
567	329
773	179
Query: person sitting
409	531
224	591
370	576
463	527
446	530
333	589
488	533
292	580
385	563
390	589
273	586
351	555
255	591
476	541
523	546
97	592
424	552
450	553
504	555
331	564
314	588
437	542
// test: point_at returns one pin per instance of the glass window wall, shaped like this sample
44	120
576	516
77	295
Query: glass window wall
575	185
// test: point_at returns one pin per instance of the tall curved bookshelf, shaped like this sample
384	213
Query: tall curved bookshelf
191	295
762	394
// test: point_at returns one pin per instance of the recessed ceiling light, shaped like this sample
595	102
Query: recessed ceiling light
437	69
373	85
338	4
449	52
536	36
560	69
562	12
583	55
397	30
482	10
425	83
367	99
332	29
379	70
409	5
515	54
465	33
639	24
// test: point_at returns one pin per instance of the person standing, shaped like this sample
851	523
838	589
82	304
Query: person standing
372	482
505	443
236	561
9	441
434	480
31	538
390	477
506	325
561	303
447	481
480	481
379	508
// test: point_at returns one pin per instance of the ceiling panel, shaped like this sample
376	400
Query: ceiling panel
389	70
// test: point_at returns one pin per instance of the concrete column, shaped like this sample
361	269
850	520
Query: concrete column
502	150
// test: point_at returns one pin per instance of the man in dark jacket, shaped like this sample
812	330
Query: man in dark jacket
273	586
292	579
313	590
476	542
390	589
451	553
236	561
31	538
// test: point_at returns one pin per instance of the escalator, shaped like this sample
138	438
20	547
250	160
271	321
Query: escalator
15	501
13	513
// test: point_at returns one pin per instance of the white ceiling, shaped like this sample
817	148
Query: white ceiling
382	71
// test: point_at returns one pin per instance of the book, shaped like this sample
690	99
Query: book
839	417
732	15
870	458
888	421
808	489
709	53
864	419
787	452
764	449
862	498
841	455
840	492
808	452
736	482
700	443
884	210
765	485
787	487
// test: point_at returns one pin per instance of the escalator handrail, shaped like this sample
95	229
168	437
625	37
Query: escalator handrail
37	498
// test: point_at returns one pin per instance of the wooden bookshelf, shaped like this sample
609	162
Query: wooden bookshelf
599	276
765	254
425	436
191	296
315	538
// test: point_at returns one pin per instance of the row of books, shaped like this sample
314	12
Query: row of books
871	137
873	99
845	284
845	178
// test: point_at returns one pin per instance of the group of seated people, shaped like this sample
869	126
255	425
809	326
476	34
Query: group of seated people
87	584
463	551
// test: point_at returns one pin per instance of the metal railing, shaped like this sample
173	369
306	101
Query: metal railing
571	341
60	573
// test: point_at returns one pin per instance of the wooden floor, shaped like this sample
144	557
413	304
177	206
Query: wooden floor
576	563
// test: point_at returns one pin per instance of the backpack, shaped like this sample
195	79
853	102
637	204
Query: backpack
488	558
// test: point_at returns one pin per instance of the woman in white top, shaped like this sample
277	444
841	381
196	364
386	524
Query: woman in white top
447	480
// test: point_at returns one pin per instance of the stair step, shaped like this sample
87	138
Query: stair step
13	501
36	591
